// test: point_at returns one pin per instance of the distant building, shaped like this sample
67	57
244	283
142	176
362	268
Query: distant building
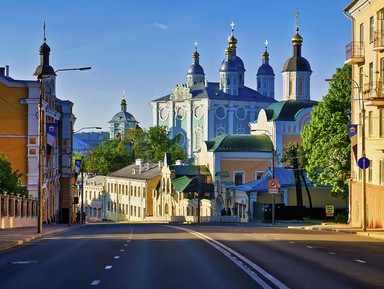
128	195
121	122
85	141
200	110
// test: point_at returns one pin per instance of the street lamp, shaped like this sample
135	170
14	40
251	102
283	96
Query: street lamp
363	155
43	74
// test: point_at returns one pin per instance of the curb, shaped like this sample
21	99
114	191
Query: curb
37	236
343	231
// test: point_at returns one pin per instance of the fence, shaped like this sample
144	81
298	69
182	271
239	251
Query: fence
16	211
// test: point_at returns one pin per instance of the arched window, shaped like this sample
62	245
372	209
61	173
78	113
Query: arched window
238	178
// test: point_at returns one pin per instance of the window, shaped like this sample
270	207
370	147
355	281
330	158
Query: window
370	172
361	32
370	123
258	174
381	122
241	113
220	112
238	178
197	138
370	72
371	29
381	172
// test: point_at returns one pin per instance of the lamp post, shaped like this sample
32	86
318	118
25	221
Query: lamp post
363	154
43	75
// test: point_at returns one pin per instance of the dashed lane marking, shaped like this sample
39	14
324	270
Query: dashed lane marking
108	267
360	261
116	257
95	282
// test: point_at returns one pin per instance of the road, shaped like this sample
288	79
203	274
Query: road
140	256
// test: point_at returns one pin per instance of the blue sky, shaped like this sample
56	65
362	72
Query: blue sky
145	47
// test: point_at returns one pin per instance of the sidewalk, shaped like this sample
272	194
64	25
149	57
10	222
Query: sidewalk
10	238
341	228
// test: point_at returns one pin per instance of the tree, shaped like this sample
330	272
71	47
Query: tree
293	156
326	146
10	182
149	145
109	156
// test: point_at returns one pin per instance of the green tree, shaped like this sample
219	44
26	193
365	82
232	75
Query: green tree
10	182
326	146
152	144
109	156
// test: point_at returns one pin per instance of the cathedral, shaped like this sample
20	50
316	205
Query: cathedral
200	110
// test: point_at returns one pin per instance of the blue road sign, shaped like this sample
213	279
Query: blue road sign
363	163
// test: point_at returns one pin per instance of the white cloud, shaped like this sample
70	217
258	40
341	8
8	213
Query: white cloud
159	25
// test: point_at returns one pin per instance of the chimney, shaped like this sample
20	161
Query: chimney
2	70
7	70
139	162
179	163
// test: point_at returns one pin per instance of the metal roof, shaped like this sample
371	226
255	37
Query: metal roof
240	143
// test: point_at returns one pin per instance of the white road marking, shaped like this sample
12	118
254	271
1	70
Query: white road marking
332	253
291	242
231	254
125	245
95	282
108	267
309	247
360	261
128	241
116	257
122	250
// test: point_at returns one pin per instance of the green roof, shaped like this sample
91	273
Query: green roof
182	170
240	143
182	183
287	110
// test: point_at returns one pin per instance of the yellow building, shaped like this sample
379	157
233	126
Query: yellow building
366	56
19	137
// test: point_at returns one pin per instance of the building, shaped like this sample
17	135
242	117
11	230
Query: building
121	122
128	195
253	199
241	158
19	137
365	53
184	192
91	198
284	120
200	110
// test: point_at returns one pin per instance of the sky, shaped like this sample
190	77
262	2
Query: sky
145	47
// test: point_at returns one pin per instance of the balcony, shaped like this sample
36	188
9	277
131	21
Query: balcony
354	53
373	94
378	42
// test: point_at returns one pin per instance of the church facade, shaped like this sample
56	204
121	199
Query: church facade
199	110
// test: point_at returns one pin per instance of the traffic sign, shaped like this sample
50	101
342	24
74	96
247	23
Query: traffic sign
273	186
363	163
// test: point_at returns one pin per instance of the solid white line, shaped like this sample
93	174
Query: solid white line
228	251
95	282
360	261
108	267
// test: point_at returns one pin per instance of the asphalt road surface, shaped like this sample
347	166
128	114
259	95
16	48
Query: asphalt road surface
140	256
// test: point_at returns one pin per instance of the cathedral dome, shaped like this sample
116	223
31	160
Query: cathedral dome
196	69
265	69
297	63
